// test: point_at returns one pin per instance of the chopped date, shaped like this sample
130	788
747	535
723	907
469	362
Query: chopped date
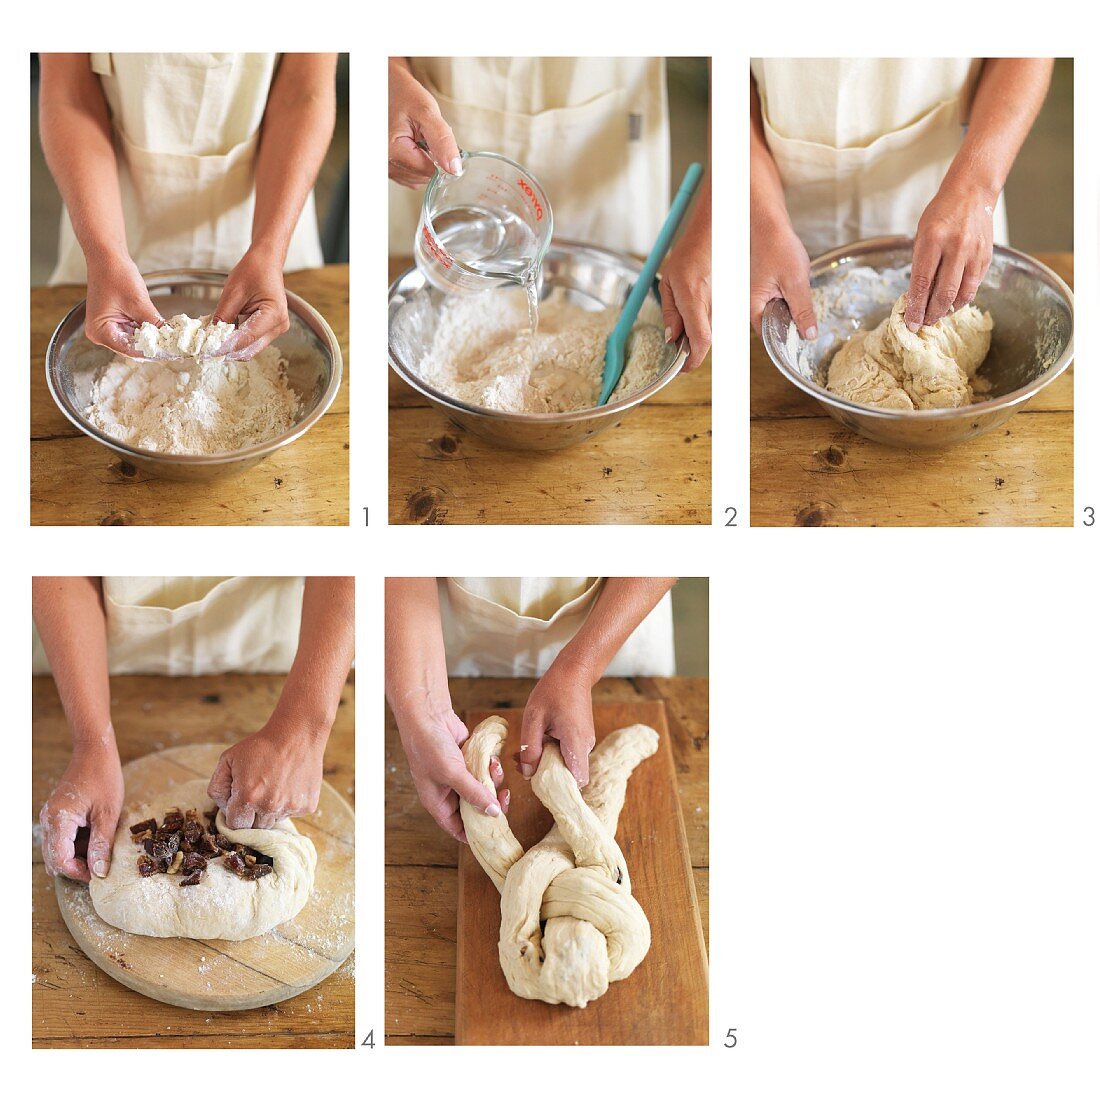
193	862
191	878
140	831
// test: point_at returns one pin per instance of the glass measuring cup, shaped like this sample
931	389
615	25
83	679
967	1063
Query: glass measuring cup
490	225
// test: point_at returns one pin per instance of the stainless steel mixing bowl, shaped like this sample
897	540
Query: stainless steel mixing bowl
314	368
1032	309
591	277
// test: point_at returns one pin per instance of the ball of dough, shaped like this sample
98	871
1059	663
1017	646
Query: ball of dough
892	368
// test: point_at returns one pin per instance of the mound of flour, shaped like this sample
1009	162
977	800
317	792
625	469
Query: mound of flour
209	407
483	353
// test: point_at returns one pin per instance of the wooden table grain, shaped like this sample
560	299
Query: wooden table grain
75	480
422	863
809	471
652	468
73	1003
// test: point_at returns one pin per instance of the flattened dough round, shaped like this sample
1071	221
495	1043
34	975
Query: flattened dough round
223	905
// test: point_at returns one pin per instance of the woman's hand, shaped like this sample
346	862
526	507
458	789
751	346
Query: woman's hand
431	743
559	707
685	294
79	819
269	775
952	251
254	293
779	268
118	303
415	116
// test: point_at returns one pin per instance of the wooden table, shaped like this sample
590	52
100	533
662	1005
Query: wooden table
653	468
75	480
74	1004
809	471
422	862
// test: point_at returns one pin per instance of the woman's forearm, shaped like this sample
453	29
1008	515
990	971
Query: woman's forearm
68	613
75	126
767	205
326	646
1007	101
416	661
295	134
622	604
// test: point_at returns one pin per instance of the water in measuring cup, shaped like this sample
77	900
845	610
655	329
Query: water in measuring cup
493	241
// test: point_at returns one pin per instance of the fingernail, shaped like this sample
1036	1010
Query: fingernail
455	166
100	868
492	810
913	327
811	333
506	799
668	333
526	770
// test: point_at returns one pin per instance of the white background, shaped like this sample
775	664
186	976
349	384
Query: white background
904	762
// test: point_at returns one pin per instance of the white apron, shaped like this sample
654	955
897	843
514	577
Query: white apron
592	130
186	131
862	144
196	626
514	627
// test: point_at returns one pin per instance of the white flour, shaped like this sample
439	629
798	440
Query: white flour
209	407
484	353
181	336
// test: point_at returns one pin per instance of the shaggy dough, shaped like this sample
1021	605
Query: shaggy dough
575	880
222	905
892	368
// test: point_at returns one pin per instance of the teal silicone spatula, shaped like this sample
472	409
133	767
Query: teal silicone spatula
615	354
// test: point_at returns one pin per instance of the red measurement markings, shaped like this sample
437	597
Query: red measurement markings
437	252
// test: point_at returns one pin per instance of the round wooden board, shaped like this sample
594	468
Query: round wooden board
227	975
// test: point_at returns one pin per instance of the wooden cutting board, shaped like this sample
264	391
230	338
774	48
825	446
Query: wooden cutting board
665	1000
227	975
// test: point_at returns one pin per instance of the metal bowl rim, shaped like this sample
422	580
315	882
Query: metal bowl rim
975	409
200	276
594	412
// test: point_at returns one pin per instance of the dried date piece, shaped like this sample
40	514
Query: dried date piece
193	862
191	878
146	866
235	863
173	821
143	830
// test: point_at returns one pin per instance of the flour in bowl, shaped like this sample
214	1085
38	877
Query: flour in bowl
484	353
209	406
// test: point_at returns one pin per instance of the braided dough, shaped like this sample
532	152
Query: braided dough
575	880
893	368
